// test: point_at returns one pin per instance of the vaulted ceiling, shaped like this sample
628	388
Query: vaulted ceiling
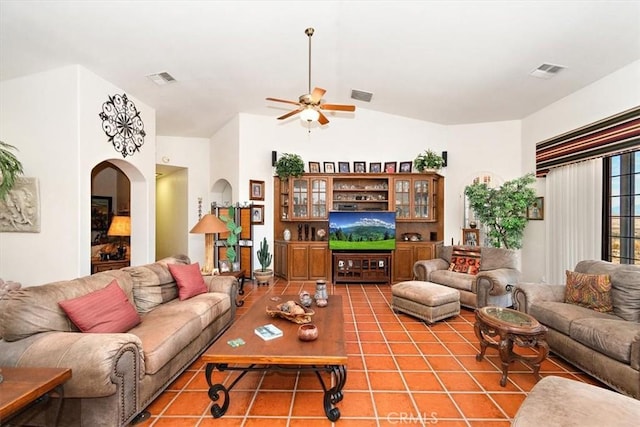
447	62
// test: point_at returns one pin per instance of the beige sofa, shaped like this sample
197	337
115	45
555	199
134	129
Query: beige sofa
498	268
115	375
604	345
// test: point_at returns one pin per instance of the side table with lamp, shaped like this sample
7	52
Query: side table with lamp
120	227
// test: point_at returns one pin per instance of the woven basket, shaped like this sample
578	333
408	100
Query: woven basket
295	318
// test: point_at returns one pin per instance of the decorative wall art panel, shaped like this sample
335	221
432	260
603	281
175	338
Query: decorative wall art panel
122	123
20	209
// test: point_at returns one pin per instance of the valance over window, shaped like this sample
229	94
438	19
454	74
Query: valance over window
607	137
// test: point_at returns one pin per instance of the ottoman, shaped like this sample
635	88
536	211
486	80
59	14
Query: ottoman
561	402
425	300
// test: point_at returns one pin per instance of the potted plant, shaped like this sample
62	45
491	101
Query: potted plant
232	238
428	160
503	210
264	274
289	165
10	168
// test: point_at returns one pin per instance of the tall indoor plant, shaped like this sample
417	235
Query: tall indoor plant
289	165
232	238
10	168
503	210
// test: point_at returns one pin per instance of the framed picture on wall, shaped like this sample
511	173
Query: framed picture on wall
405	166
359	167
390	167
100	219
536	210
257	214
256	190
375	167
329	167
343	167
314	167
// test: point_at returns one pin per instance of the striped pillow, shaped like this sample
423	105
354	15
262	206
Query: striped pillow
589	290
465	259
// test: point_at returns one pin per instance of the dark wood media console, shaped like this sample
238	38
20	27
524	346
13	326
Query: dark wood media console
362	267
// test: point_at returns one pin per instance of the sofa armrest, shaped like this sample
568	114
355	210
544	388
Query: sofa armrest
525	294
99	362
226	285
422	269
494	283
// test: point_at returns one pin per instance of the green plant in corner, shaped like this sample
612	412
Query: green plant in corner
289	165
503	210
429	159
234	231
10	168
264	257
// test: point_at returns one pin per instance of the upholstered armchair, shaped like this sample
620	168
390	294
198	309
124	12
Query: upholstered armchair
482	285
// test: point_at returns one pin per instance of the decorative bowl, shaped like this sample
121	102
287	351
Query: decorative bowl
308	332
291	311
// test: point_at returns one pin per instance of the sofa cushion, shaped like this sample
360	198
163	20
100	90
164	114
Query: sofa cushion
34	309
106	310
189	280
452	279
153	283
608	336
559	315
589	290
465	259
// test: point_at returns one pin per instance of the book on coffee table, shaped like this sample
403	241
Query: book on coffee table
268	332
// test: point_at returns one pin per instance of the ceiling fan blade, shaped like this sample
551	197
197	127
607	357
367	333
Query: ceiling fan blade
283	100
322	119
317	94
338	107
290	113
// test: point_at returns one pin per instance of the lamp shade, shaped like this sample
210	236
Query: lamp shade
120	226
309	114
209	224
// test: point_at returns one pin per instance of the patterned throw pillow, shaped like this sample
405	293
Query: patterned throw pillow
465	259
589	290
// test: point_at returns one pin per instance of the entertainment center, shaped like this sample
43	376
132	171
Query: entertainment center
378	252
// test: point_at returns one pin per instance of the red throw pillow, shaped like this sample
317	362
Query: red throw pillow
189	280
465	260
106	310
589	290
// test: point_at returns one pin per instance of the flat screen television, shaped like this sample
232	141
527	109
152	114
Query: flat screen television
362	230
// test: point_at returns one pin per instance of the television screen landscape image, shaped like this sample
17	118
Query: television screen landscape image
357	230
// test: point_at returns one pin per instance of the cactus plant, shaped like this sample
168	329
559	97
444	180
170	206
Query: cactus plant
264	257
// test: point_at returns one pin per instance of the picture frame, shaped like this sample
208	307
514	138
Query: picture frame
359	167
256	190
535	212
405	167
257	214
314	167
390	167
343	167
100	219
471	236
329	167
375	167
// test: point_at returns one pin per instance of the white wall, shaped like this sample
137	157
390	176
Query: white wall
52	118
613	94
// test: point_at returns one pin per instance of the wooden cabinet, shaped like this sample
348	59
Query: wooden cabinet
407	253
280	258
98	266
374	267
306	261
416	198
305	199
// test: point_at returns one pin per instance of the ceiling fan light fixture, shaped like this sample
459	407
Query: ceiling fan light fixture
309	114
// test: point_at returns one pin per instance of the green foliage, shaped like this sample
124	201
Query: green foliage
10	168
503	210
264	257
289	165
429	159
234	231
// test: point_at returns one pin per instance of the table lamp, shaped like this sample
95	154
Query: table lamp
120	226
209	225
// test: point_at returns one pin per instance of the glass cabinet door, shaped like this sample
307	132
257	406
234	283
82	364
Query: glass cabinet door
421	205
402	200
318	198
300	198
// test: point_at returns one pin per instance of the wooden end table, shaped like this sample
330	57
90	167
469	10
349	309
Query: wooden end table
287	353
513	327
24	386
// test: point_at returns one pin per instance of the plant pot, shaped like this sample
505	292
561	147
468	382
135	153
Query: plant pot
263	276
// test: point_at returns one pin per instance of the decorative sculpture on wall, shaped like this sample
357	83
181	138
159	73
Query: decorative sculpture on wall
20	208
123	125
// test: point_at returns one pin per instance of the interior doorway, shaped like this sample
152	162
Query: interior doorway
171	211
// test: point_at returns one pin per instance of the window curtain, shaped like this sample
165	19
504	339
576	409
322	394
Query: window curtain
574	215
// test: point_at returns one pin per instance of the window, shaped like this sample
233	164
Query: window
622	208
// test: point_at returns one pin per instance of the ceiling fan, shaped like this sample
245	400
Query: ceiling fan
310	105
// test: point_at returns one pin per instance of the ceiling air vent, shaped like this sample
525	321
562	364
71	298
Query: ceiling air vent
161	79
546	71
361	95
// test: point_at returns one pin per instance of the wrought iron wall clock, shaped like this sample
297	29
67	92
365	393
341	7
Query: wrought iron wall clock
123	125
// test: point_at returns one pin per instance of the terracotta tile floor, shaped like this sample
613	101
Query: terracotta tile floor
400	372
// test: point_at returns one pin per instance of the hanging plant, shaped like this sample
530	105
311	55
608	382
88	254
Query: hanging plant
10	168
503	210
428	160
289	165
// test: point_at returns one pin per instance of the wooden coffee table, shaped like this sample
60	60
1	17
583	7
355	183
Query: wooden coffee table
287	353
23	386
513	327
